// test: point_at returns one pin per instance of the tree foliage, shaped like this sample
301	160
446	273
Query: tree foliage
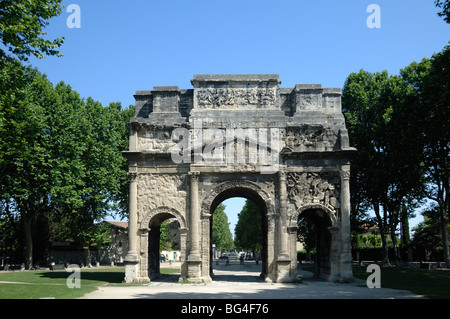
166	239
221	234
444	5
400	126
22	24
381	120
59	155
249	227
431	81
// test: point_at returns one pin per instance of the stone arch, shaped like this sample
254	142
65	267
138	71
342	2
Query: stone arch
254	192
234	188
330	213
145	222
324	220
150	226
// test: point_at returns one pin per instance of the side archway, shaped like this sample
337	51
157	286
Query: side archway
150	228
323	220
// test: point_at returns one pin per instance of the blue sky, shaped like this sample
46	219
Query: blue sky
125	46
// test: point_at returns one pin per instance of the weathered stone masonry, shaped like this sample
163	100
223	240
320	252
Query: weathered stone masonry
302	128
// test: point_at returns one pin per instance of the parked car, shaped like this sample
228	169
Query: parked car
249	257
223	257
232	256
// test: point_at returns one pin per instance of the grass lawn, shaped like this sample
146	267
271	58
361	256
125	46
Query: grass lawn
53	284
429	283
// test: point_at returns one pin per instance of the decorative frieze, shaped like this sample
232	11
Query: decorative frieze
236	98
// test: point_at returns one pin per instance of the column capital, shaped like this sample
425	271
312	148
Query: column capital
345	175
282	175
194	175
132	176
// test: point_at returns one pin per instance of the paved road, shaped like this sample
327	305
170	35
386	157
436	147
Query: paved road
243	282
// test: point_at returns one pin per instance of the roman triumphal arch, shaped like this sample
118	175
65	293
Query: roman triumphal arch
286	149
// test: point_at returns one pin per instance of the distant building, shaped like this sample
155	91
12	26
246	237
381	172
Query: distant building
369	227
117	248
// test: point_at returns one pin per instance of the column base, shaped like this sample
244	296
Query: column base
283	270
346	268
131	257
131	272
194	271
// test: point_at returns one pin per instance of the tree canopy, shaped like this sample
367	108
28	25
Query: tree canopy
400	126
22	24
59	155
249	227
221	234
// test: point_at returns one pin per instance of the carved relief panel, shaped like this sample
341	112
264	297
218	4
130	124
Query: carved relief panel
311	138
150	140
314	188
226	97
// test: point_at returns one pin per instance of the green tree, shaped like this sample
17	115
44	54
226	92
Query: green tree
25	160
306	235
221	234
166	238
22	24
382	120
445	6
59	154
428	234
249	228
431	80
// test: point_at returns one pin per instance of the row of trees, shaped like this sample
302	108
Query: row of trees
60	159
60	155
247	230
400	125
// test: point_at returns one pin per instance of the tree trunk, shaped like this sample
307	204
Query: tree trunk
383	232
444	223
27	222
87	255
404	226
396	248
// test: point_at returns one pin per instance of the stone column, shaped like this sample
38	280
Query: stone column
283	241
346	255
194	260
131	259
283	261
194	253
183	251
335	253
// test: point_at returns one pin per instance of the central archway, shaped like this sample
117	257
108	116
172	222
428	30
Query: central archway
260	198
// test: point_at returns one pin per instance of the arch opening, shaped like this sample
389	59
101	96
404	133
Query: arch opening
254	262
164	247
313	228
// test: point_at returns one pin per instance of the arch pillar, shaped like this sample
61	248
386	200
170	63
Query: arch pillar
283	259
346	255
194	261
131	259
